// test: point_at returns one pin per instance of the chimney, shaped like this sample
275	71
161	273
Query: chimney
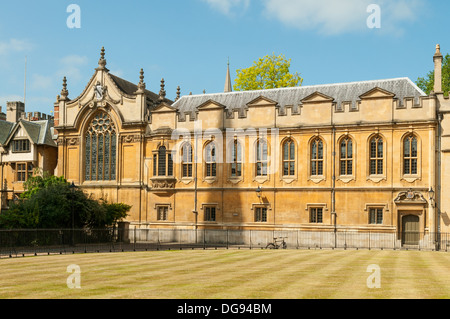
14	110
438	58
2	115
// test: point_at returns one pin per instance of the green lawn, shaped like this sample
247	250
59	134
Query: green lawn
230	274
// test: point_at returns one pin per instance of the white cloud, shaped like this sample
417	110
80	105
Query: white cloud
70	67
41	82
14	46
336	17
227	6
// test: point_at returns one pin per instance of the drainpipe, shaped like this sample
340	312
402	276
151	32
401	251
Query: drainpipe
333	190
195	184
437	200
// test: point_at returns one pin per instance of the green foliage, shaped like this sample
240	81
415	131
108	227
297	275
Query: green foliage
50	202
269	72
427	83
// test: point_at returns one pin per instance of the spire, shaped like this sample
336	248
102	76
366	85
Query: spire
162	92
141	84
102	61
228	87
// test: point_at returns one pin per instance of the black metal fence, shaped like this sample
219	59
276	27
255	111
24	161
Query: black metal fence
15	243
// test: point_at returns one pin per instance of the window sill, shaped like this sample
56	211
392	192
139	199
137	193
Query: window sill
346	178
261	179
317	179
410	178
210	179
288	179
186	180
235	179
376	178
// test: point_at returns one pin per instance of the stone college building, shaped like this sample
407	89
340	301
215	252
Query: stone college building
359	156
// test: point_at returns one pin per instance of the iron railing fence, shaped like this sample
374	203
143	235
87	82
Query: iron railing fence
15	243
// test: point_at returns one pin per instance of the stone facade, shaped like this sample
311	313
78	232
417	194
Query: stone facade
356	156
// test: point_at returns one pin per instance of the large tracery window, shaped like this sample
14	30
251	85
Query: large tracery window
101	144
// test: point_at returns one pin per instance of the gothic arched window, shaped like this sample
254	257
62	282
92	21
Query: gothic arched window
410	155
376	155
317	157
346	156
289	158
100	146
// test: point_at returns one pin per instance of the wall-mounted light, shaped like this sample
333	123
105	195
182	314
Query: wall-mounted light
431	195
258	192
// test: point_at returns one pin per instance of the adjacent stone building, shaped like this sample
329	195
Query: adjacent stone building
358	156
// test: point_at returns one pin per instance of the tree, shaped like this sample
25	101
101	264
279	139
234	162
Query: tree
427	83
269	72
49	202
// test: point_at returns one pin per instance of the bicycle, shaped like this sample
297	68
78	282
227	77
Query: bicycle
277	243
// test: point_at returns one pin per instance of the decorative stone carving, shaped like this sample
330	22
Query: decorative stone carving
73	141
131	138
410	197
163	183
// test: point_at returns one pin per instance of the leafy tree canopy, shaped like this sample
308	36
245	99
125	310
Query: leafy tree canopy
269	72
427	83
50	202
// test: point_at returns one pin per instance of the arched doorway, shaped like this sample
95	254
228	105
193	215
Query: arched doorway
410	230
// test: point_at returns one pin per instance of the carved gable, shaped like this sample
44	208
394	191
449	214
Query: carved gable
377	93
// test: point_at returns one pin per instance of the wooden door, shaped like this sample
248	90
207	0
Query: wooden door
410	230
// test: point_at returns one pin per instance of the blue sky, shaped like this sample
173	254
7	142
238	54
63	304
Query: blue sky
188	42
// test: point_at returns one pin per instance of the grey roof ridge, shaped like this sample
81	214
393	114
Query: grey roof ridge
307	86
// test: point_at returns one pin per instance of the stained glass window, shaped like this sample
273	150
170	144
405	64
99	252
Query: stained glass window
100	149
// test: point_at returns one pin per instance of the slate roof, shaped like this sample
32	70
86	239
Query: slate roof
341	92
5	130
131	88
39	132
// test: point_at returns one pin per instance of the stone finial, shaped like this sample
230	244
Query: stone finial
162	92
178	94
102	61
64	92
141	85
